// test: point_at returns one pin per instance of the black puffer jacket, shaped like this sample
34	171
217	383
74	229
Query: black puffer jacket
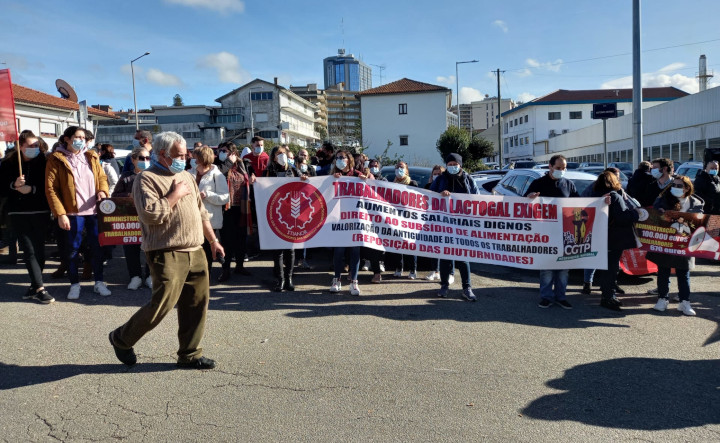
707	187
34	172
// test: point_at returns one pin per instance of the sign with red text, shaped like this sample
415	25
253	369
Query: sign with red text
118	222
542	233
679	233
8	128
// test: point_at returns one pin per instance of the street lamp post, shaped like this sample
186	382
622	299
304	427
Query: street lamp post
132	70
457	87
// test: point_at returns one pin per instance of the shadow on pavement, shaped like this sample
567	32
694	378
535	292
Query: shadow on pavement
14	376
634	393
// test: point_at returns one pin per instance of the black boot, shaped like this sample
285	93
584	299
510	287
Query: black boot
277	270
289	286
586	288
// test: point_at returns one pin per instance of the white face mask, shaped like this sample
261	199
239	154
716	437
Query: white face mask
303	168
281	159
366	163
558	173
91	144
399	173
341	163
677	192
375	171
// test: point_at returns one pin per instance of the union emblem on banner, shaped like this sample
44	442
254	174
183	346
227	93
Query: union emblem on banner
8	128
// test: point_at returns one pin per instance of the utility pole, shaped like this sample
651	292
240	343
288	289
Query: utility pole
381	68
637	88
500	127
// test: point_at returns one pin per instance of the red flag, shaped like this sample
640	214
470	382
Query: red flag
8	128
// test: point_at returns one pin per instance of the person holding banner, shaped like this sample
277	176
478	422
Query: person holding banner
22	182
707	187
662	171
402	176
454	180
344	166
676	197
437	170
141	161
621	235
283	259
174	221
75	182
553	283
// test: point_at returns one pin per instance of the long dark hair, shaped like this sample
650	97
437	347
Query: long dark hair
670	200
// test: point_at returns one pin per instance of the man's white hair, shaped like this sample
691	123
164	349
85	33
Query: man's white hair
166	140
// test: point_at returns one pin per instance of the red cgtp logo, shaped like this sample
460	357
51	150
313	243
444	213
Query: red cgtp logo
296	211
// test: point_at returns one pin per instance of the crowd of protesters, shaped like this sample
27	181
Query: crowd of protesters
67	181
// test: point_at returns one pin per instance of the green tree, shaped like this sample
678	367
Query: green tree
322	132
177	100
472	150
385	160
480	148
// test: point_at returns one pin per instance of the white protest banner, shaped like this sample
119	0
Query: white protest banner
542	233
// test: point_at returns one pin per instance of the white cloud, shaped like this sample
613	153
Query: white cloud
526	97
550	66
469	95
222	6
227	66
502	25
661	78
525	72
446	81
158	77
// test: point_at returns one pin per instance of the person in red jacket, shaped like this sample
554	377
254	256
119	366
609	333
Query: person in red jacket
258	158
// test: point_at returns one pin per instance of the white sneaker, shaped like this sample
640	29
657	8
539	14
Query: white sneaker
653	291
335	286
135	283
148	282
382	266
661	304
685	308
354	289
101	288
366	265
451	279
398	273
433	276
74	292
412	275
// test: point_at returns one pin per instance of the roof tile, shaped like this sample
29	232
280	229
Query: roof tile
31	96
401	86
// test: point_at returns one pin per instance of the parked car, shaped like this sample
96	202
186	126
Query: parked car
586	164
596	170
689	169
491	172
573	165
121	155
543	166
624	167
486	183
522	164
516	183
420	174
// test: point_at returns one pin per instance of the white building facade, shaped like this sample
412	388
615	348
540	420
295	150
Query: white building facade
484	112
528	128
680	130
275	113
409	114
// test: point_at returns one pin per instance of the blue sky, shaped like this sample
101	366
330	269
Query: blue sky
202	49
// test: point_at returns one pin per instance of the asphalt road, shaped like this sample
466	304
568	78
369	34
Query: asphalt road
396	364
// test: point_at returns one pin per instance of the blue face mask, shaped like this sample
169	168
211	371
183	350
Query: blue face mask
177	166
78	144
655	172
135	143
143	165
713	172
453	169
222	156
33	152
399	173
193	163
677	192
291	161
258	150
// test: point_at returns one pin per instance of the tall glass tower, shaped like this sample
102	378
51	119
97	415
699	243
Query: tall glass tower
346	69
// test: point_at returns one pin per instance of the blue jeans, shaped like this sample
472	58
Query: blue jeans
588	275
683	281
448	266
339	261
553	284
89	224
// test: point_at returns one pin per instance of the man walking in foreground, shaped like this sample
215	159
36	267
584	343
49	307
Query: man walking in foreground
173	221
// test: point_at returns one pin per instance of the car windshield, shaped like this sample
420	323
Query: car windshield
581	185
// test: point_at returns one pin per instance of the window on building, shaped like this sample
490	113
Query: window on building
255	96
511	142
261	117
553	116
516	122
403	140
527	140
511	123
506	127
267	134
620	112
575	115
522	141
48	129
526	119
402	108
